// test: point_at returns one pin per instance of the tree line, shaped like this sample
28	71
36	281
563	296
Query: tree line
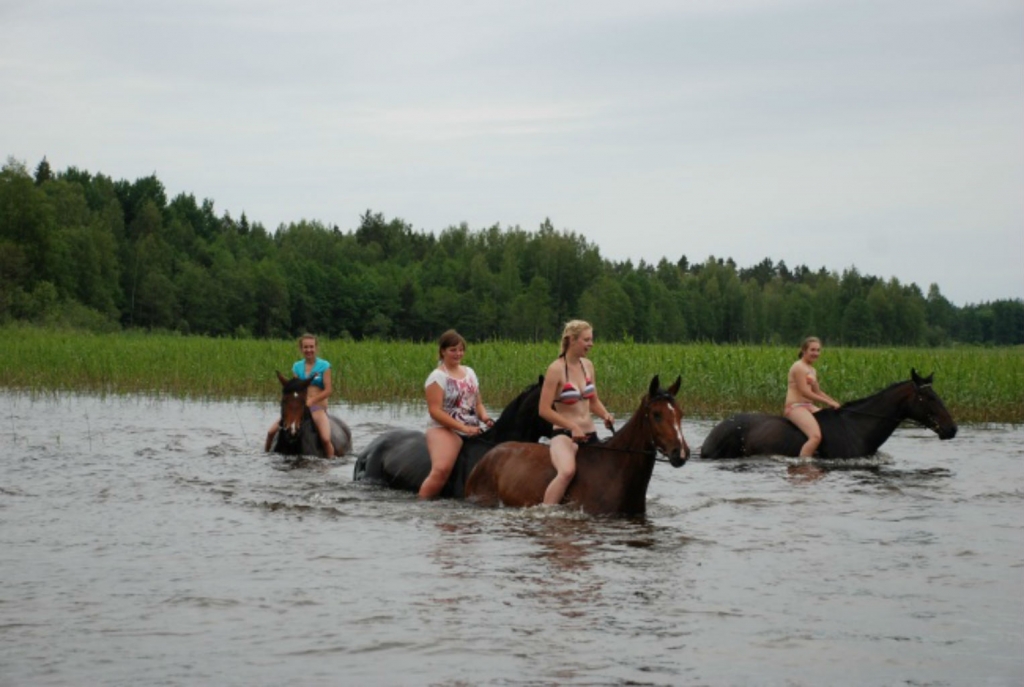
82	250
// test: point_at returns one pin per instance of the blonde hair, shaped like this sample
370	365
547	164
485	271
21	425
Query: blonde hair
807	344
449	339
572	331
307	335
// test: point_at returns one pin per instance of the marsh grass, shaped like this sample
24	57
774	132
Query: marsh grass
978	384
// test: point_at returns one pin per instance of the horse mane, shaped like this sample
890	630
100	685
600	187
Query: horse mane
521	413
294	385
858	402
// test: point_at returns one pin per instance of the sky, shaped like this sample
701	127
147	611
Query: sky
884	136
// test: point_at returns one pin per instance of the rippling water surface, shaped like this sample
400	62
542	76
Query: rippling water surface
152	542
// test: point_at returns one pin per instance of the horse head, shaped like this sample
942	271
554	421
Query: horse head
665	419
293	403
928	409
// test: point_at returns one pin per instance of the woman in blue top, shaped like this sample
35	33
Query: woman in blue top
319	391
455	408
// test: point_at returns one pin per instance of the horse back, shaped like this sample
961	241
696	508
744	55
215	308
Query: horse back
396	459
752	434
513	474
341	435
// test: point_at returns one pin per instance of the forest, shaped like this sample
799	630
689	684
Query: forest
82	250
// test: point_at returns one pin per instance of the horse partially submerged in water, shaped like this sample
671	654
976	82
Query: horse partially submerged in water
611	476
399	458
855	430
297	435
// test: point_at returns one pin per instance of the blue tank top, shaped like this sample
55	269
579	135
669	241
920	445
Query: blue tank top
317	373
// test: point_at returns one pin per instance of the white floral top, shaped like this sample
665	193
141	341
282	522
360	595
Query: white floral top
460	395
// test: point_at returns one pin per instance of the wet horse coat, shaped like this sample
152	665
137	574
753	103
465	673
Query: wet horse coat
611	476
399	458
297	435
857	429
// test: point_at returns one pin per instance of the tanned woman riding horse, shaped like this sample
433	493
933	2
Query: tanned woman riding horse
611	476
297	435
854	430
399	458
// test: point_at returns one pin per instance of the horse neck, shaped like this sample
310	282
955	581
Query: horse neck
877	416
634	436
514	423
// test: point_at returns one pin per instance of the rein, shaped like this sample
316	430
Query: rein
645	452
886	417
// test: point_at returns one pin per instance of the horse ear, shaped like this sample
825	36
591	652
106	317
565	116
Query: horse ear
674	389
281	377
916	377
653	388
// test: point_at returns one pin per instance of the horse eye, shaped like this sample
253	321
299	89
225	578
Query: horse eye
657	416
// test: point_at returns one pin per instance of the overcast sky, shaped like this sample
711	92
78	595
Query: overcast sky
885	135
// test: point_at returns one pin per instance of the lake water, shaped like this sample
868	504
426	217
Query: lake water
152	542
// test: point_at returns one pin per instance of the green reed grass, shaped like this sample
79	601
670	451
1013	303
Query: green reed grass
978	384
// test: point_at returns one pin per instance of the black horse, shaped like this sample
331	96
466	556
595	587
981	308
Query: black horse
297	435
399	458
855	430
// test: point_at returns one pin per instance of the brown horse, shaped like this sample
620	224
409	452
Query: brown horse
611	476
297	435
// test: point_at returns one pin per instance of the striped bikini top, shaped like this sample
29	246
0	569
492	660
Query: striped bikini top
570	394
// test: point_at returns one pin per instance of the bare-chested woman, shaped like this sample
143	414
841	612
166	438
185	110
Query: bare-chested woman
803	394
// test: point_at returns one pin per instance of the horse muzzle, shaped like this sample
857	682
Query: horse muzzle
946	431
677	457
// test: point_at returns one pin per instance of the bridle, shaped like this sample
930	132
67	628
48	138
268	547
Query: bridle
653	452
934	426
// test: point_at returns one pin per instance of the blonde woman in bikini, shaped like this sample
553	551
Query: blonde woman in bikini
568	398
803	393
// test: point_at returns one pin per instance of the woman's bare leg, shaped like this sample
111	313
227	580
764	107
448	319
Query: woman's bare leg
563	457
443	446
271	433
323	427
808	424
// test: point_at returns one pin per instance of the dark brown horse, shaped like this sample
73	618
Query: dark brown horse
611	476
297	435
855	430
399	458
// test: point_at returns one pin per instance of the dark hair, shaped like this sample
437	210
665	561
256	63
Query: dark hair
449	339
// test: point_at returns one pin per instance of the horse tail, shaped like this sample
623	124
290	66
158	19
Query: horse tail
725	440
369	465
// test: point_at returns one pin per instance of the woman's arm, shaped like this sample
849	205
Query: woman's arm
435	406
552	379
481	412
597	405
320	395
814	391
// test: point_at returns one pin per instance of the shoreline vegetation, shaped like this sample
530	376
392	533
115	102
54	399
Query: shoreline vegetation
978	385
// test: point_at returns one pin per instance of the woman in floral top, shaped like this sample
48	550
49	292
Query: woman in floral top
456	411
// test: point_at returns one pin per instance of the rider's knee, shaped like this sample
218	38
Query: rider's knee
442	472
